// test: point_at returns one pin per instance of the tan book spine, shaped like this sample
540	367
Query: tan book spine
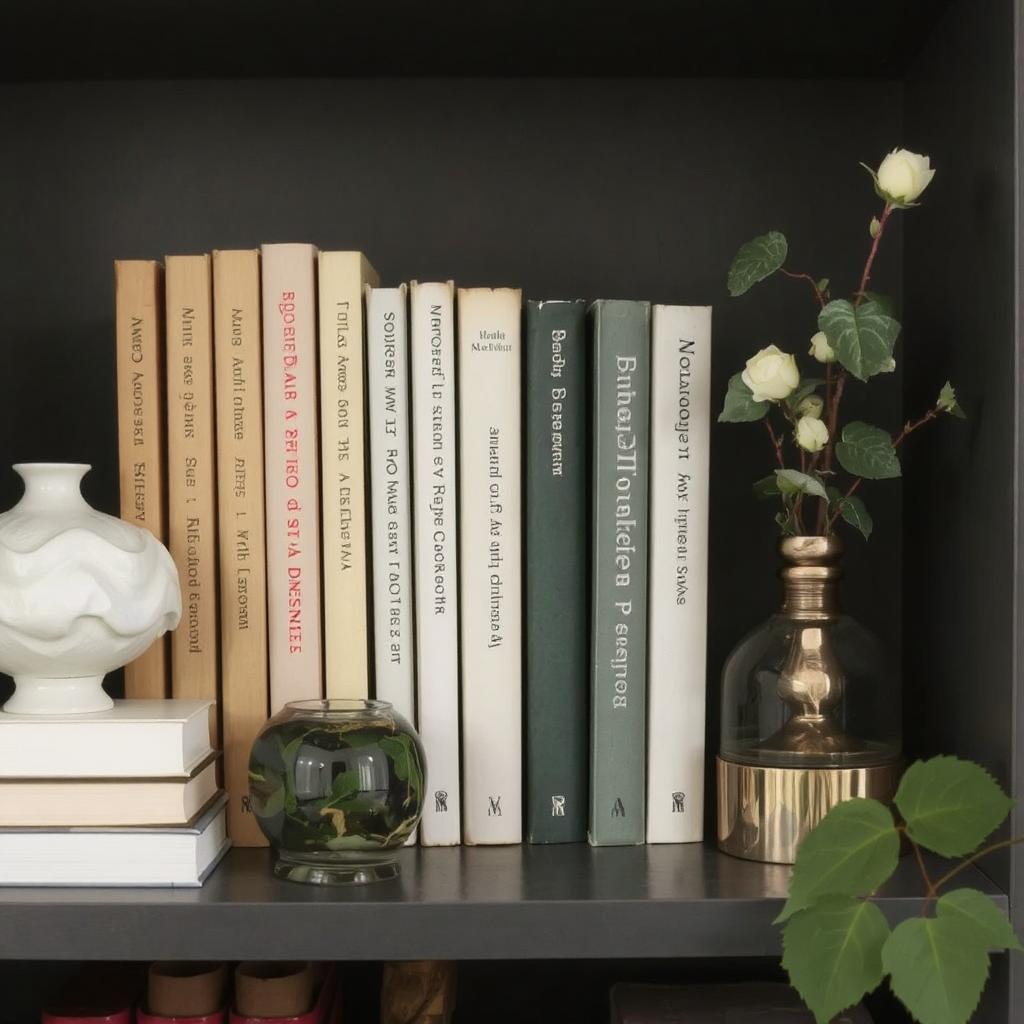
342	276
242	540
191	475
291	464
142	466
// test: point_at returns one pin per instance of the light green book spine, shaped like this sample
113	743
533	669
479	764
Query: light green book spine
621	339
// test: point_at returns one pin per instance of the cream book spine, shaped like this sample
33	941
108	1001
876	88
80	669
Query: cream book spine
387	358
436	553
291	473
142	455
191	474
490	513
342	277
678	572
243	577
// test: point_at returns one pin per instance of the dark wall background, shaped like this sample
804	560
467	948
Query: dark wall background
567	188
960	535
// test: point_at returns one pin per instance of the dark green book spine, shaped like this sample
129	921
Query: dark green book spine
622	345
557	572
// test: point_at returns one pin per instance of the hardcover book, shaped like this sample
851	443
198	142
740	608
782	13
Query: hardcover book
557	526
435	553
45	803
490	515
142	455
390	497
291	474
191	474
678	572
342	276
134	739
115	856
242	541
621	345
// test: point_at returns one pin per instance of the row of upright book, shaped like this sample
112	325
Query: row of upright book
492	515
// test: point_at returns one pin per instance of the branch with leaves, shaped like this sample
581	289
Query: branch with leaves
856	338
837	943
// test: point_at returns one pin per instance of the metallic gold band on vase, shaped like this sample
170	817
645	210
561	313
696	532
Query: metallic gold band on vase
764	813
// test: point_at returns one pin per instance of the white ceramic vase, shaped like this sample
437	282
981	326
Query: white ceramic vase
81	593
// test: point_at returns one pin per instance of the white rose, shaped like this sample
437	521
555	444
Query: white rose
771	375
903	175
821	349
811	407
811	434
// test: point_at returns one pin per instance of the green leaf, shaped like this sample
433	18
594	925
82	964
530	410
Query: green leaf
936	974
756	260
792	481
975	913
289	752
853	512
862	336
766	487
884	303
822	285
343	786
853	850
833	953
867	451
947	402
808	385
740	406
784	521
950	805
397	748
270	804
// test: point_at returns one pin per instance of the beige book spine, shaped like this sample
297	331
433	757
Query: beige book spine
342	276
291	472
191	475
142	466
242	541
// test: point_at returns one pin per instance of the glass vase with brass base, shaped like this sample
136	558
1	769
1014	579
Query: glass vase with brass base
810	713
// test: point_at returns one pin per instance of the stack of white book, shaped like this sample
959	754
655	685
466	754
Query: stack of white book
121	797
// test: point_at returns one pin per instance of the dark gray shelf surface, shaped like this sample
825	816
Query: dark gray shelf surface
464	903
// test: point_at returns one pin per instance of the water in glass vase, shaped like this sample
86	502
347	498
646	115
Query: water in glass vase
337	788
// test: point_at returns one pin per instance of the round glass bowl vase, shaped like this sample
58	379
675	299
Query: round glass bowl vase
337	788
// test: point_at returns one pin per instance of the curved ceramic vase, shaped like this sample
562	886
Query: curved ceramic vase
81	593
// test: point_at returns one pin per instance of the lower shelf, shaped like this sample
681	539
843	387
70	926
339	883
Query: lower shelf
463	903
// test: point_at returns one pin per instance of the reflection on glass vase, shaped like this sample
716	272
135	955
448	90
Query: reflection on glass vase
337	788
810	713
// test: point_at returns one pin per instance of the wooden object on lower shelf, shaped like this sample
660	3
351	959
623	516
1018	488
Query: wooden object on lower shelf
274	989
186	989
418	992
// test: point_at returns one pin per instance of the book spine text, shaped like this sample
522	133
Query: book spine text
192	502
242	544
621	341
142	456
435	552
490	514
677	601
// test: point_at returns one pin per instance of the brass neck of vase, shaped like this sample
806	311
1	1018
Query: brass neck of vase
810	577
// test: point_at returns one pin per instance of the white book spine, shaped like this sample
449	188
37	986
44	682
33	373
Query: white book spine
678	572
292	473
490	506
435	525
390	494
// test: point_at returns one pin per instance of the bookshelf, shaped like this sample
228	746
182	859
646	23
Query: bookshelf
508	163
497	903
